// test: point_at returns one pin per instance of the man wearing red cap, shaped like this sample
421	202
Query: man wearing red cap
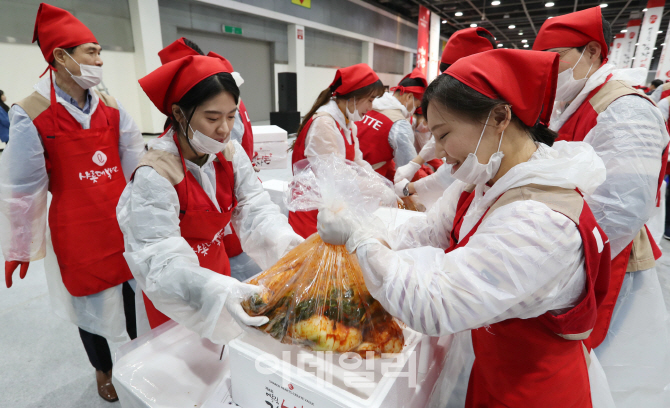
429	188
385	135
595	104
82	146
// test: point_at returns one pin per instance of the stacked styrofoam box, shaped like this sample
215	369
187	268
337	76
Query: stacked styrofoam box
277	189
270	147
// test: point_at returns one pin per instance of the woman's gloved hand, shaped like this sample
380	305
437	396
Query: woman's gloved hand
346	228
406	172
10	267
237	293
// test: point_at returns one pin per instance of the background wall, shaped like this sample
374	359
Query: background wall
110	20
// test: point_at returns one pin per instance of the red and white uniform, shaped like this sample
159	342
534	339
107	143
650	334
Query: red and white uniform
630	136
325	133
84	160
385	135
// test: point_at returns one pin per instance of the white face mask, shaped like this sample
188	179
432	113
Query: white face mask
91	75
201	143
567	87
354	116
410	112
472	171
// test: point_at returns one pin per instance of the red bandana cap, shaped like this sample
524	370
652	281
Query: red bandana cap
352	78
524	79
57	28
417	91
179	49
465	42
573	30
167	84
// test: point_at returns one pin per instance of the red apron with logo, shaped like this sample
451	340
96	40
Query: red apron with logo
86	181
530	362
201	223
575	129
373	140
304	222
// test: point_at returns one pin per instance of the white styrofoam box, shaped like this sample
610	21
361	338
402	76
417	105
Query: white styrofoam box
277	188
394	217
266	372
271	155
271	133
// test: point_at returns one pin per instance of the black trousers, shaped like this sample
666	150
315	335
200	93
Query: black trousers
96	346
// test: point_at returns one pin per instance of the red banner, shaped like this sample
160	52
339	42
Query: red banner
422	37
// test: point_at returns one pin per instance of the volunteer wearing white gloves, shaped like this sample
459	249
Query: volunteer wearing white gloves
385	134
330	128
596	105
241	267
525	263
186	191
82	146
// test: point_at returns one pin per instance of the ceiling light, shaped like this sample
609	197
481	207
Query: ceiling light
603	5
506	16
550	17
495	3
624	31
524	41
500	45
444	21
643	10
525	46
663	44
633	58
473	25
520	32
636	44
511	26
549	4
655	48
660	32
458	13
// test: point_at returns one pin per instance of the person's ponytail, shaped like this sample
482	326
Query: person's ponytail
541	133
324	98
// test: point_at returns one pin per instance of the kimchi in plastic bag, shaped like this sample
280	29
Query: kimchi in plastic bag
315	295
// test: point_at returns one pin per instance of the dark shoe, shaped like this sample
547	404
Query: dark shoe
105	387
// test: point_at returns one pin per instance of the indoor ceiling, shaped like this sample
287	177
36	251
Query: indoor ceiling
513	21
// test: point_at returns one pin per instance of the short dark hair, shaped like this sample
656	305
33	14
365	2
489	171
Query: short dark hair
607	33
657	82
458	97
484	34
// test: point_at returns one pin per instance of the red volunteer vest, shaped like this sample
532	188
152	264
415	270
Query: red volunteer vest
86	181
537	362
304	222
201	223
373	139
575	129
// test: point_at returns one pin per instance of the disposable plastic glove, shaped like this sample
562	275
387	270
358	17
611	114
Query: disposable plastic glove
400	187
10	267
238	292
346	228
406	172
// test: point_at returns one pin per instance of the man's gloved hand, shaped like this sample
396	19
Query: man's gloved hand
237	293
406	172
400	187
10	267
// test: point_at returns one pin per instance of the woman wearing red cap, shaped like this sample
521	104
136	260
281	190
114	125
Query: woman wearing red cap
595	104
385	135
241	266
511	251
329	127
82	146
193	184
414	178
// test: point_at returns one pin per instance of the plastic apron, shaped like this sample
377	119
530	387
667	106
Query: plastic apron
202	225
304	222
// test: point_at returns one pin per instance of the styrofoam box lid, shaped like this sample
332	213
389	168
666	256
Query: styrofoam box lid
271	133
275	185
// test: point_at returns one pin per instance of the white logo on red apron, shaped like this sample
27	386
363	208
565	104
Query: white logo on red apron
204	248
94	175
99	158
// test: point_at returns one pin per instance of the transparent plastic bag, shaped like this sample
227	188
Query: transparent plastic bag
315	295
